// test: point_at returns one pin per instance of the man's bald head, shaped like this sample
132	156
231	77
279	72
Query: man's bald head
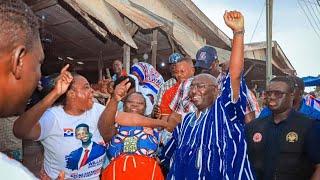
203	91
206	77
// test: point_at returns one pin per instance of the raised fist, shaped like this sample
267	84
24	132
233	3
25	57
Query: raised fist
234	20
121	90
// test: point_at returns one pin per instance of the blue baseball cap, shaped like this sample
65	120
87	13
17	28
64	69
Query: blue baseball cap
205	57
174	58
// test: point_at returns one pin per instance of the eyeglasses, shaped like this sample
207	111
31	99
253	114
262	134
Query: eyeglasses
277	94
200	86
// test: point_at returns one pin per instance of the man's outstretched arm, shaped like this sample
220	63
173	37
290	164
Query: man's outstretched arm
235	21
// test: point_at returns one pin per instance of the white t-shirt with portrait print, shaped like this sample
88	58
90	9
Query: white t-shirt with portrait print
63	151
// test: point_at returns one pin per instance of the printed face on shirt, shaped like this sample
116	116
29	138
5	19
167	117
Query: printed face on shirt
278	96
117	66
82	134
184	70
203	91
83	93
135	103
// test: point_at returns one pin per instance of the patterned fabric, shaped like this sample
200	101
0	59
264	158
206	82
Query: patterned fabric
133	140
181	102
313	102
127	167
220	80
165	137
165	110
252	104
167	98
165	86
212	145
150	77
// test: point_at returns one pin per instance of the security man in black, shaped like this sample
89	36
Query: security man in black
286	144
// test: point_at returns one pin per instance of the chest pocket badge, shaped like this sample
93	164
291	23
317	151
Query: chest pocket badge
292	137
257	137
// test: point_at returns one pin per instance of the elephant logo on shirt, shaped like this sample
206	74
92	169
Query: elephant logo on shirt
292	137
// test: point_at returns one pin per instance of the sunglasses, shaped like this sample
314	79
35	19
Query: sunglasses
277	94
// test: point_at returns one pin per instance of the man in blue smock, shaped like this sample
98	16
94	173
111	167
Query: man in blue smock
210	142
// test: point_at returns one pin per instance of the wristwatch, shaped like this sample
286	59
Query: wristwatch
239	32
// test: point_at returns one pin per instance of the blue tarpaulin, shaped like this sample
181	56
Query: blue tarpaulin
311	81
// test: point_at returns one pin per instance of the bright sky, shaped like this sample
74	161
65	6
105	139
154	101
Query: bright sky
291	28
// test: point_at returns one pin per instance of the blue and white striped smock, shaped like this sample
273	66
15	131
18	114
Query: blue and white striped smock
212	146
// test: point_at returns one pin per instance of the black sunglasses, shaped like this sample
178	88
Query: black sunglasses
276	93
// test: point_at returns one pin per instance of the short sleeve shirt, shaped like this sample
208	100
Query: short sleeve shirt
63	151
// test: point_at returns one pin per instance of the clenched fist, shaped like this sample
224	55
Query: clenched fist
121	90
234	20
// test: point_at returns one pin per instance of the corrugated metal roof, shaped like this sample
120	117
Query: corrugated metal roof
186	34
194	17
257	50
140	18
187	24
109	16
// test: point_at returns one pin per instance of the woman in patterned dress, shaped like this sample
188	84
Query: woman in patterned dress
132	150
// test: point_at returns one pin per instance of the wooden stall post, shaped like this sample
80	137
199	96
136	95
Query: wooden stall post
126	57
154	46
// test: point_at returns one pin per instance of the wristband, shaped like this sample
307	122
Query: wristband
241	32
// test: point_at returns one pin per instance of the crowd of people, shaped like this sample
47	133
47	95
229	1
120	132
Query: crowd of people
202	123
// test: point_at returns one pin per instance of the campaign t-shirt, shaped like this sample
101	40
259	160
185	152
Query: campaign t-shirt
65	151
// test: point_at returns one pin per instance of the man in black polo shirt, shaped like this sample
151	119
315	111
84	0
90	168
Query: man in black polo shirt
286	144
